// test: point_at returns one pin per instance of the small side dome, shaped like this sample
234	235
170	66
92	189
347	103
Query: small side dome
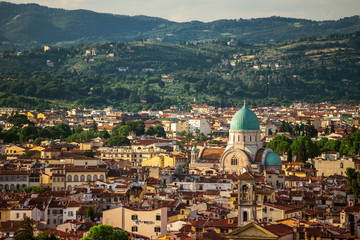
244	119
273	160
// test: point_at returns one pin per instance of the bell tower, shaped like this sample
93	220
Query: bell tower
194	154
246	199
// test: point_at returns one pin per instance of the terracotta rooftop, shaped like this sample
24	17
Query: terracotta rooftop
212	153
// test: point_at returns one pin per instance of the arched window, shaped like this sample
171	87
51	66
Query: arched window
250	138
88	178
102	178
95	177
82	178
245	192
69	188
245	216
234	160
69	178
76	178
244	138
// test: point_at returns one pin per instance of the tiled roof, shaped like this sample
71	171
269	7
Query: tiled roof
279	229
212	153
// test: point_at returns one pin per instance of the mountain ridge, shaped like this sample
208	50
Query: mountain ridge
33	23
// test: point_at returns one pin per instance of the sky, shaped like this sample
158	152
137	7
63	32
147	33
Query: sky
210	10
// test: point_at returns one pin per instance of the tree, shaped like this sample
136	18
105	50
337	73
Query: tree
279	144
18	120
105	232
90	213
26	231
29	132
117	141
94	126
353	129
38	141
289	155
310	130
353	181
304	148
301	155
89	153
78	129
124	131
63	130
46	236
332	128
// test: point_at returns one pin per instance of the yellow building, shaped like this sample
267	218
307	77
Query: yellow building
41	116
14	150
271	212
4	214
76	176
161	160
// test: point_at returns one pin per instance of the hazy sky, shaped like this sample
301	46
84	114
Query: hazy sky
209	10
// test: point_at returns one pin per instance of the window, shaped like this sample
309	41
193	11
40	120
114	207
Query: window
158	217
82	178
54	180
134	217
245	216
157	229
70	213
54	221
234	160
17	215
134	229
88	178
102	178
69	178
24	215
76	178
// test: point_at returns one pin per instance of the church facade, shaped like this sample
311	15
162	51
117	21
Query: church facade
244	150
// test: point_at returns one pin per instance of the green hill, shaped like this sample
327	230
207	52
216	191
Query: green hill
131	75
26	25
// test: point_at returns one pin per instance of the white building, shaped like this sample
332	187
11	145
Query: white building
199	125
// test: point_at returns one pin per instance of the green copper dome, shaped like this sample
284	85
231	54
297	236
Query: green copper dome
244	119
272	159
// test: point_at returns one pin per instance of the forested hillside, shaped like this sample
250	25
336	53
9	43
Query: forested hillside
27	25
152	75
